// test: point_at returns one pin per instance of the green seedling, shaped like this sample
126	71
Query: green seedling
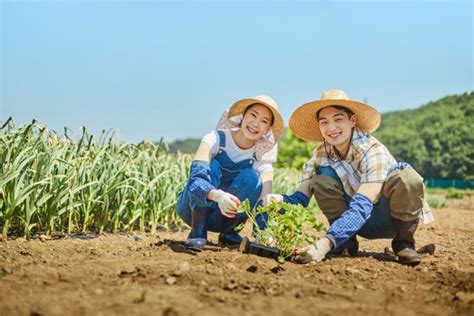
288	226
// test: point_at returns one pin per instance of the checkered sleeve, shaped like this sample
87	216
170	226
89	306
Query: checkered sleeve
308	170
351	221
375	164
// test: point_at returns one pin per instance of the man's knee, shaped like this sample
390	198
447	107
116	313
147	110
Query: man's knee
329	193
405	190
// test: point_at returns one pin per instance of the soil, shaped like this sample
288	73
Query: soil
126	274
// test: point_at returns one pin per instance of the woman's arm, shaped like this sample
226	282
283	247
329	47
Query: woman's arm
203	153
267	183
200	183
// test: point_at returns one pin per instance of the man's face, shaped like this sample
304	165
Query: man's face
336	126
256	122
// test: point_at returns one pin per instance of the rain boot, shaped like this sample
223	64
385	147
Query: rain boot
197	238
403	244
229	237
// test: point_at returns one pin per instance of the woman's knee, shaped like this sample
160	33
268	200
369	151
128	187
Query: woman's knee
247	185
248	178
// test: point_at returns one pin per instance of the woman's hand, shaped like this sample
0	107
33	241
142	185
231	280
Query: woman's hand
227	202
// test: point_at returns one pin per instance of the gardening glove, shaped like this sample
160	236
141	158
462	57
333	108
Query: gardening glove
227	203
314	252
269	198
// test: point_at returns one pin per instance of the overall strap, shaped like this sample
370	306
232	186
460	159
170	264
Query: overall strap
221	139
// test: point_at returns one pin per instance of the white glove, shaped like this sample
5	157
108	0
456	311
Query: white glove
227	203
314	252
269	198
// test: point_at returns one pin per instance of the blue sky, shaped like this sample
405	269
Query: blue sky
170	68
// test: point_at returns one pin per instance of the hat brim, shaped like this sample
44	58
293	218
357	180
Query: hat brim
304	124
239	107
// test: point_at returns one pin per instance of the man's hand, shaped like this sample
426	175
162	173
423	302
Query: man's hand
314	252
227	202
269	198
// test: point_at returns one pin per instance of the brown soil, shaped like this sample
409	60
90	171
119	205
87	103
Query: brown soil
141	274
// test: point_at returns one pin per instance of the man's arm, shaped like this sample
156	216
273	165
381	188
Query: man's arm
350	222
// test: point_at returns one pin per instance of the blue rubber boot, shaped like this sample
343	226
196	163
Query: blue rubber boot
197	238
229	237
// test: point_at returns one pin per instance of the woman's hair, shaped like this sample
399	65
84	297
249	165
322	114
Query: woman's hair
337	107
251	106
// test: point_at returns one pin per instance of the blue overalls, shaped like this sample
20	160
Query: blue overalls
237	178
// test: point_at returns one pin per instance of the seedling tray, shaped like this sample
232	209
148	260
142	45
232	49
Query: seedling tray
250	247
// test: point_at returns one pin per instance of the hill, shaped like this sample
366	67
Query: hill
437	138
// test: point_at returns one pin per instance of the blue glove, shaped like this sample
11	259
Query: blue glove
351	221
262	220
296	198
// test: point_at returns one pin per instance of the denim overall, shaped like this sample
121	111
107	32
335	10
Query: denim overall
237	178
379	225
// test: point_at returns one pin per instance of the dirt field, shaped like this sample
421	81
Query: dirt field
145	274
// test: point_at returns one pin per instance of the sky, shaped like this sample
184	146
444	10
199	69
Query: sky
152	69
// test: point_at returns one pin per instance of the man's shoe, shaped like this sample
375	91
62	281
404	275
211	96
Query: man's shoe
403	244
409	256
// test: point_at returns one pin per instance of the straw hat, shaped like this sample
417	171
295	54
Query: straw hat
239	107
304	124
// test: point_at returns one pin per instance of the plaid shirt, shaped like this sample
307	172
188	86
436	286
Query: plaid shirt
367	160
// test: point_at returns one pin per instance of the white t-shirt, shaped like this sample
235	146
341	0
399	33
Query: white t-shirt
235	153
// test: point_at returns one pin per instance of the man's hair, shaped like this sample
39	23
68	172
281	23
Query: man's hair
337	107
252	105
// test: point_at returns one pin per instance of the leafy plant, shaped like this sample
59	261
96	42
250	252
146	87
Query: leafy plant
436	201
288	226
454	194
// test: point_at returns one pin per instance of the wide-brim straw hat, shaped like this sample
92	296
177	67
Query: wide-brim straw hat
239	107
304	123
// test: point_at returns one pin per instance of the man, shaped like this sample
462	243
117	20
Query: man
358	185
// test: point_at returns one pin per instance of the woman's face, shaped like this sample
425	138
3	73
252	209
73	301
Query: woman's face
256	122
336	126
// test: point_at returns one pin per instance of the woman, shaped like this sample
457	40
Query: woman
358	184
232	164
